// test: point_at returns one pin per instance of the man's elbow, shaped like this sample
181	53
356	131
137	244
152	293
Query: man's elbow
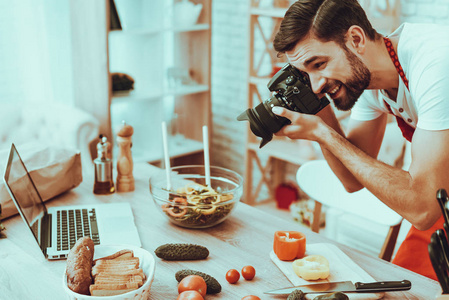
425	220
352	188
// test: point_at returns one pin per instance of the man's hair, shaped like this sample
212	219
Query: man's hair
326	20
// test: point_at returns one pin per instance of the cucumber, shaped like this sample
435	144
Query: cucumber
182	252
213	286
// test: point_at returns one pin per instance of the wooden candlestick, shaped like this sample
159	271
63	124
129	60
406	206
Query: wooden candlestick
125	179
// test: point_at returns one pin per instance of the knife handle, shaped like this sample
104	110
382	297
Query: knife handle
383	286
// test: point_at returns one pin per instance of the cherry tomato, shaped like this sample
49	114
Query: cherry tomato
251	297
190	295
232	276
193	283
248	272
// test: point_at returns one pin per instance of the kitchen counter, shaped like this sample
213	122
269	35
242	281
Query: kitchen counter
245	238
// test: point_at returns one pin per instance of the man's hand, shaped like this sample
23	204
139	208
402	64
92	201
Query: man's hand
303	126
313	128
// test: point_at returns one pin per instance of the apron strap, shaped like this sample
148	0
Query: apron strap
394	58
407	130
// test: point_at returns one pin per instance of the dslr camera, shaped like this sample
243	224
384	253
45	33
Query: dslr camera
292	90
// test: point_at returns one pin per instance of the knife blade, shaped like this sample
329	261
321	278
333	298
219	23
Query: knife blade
346	287
442	198
438	259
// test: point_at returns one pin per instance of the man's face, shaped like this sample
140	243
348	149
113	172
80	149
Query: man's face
332	69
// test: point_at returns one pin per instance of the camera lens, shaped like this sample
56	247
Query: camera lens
262	122
293	92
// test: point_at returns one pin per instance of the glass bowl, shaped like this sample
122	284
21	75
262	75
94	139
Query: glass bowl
190	202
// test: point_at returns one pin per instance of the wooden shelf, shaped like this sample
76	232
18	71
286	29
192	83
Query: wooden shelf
179	91
196	27
152	31
268	12
178	146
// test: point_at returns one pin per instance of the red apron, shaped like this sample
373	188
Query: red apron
413	253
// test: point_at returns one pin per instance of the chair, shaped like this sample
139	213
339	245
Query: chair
316	179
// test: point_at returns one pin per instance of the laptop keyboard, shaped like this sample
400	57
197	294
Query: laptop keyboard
74	224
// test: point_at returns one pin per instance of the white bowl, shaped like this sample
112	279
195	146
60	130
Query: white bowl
186	14
147	264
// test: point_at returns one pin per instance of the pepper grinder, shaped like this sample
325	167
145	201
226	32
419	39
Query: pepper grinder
125	179
103	169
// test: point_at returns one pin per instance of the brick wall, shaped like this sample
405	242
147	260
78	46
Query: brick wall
230	23
425	11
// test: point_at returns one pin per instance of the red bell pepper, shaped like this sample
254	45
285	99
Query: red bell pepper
289	245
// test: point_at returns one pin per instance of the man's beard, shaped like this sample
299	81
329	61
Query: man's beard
355	86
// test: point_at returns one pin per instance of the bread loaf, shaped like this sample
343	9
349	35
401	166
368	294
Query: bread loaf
115	266
116	274
79	266
122	254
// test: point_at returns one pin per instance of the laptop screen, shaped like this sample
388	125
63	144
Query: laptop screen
24	192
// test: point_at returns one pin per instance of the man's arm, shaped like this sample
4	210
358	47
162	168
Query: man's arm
412	194
366	136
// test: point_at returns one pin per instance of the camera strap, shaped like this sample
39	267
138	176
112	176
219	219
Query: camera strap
407	130
394	58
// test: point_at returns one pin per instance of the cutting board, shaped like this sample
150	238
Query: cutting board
342	268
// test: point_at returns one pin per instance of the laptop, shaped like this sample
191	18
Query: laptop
57	229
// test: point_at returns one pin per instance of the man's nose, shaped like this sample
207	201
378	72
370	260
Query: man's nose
317	83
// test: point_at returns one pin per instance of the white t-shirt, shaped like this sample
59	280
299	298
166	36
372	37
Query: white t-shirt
423	52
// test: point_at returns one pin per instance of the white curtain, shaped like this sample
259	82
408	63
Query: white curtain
35	57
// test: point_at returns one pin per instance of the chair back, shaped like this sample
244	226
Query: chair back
317	180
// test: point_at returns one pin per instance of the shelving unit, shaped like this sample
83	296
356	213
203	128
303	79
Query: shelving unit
273	12
150	31
264	23
181	91
149	44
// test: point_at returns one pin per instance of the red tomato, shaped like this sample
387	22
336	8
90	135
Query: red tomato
193	283
190	295
251	297
248	272
232	276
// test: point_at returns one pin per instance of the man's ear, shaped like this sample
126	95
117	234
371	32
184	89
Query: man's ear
356	39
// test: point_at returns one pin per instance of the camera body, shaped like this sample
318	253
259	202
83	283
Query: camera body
292	90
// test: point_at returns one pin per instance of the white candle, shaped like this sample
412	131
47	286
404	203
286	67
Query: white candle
206	154
166	156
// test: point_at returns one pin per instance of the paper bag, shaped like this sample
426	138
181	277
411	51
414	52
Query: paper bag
53	170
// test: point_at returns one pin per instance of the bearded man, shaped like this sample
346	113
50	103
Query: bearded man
405	74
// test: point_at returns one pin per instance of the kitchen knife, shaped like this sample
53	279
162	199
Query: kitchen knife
346	287
446	229
441	238
443	201
439	261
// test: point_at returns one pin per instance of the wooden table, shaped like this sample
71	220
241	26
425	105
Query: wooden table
245	238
